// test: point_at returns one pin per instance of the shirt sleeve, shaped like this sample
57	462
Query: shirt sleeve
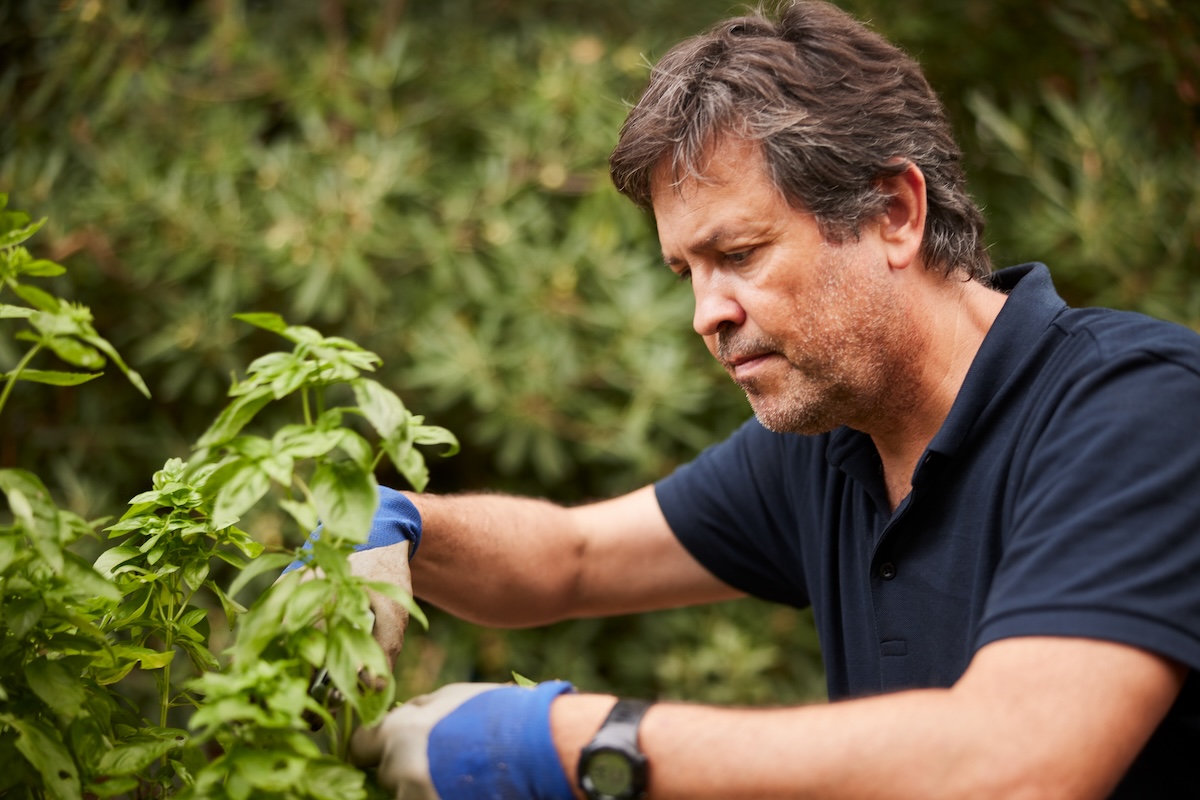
734	510
1104	536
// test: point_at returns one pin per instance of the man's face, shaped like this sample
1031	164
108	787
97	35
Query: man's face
815	333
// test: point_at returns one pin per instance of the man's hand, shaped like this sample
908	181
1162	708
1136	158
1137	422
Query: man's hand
394	536
468	741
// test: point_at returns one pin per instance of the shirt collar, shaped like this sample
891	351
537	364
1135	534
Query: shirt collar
1032	304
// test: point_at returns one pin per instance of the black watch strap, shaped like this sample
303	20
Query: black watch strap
618	735
622	722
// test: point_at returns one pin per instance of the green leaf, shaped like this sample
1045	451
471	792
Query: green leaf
409	463
86	581
260	565
156	660
112	672
358	449
133	606
233	559
56	378
15	312
43	748
73	351
39	299
234	417
133	755
112	787
247	485
381	406
22	613
43	268
266	321
329	779
56	686
195	572
304	514
231	607
302	334
199	654
250	447
306	603
9	546
271	773
14	237
102	344
108	561
242	541
291	378
402	597
279	467
431	434
303	441
193	617
310	644
261	625
350	651
345	496
331	558
524	682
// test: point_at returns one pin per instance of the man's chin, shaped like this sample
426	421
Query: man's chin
781	417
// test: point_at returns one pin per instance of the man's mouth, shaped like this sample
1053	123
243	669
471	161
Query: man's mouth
743	366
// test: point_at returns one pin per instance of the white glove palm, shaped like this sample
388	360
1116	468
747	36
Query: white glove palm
399	745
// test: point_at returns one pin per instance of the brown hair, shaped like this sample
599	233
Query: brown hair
835	108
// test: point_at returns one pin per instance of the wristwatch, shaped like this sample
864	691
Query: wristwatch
611	767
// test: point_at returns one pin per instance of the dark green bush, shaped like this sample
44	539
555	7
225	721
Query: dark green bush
429	179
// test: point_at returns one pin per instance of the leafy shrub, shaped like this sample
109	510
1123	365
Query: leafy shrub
71	633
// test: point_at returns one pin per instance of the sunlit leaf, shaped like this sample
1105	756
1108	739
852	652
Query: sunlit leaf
345	496
57	378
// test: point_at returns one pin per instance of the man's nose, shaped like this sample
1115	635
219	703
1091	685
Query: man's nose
716	304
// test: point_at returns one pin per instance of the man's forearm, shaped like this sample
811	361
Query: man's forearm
497	560
513	561
1038	718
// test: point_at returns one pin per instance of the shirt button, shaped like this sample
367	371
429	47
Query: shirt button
887	570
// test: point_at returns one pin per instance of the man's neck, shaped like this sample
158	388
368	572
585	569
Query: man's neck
956	315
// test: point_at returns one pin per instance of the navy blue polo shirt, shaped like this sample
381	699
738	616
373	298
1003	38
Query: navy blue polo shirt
1061	497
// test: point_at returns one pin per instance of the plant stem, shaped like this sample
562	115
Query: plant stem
16	373
346	729
164	700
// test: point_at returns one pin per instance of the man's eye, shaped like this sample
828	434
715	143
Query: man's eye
684	275
740	257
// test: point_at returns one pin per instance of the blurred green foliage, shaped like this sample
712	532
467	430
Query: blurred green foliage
428	179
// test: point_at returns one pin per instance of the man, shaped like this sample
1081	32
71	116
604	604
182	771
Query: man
991	501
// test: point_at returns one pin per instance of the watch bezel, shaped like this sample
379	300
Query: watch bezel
618	735
637	773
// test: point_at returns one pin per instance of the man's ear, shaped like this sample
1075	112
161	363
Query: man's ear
902	225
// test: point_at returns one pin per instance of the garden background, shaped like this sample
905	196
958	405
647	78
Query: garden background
429	180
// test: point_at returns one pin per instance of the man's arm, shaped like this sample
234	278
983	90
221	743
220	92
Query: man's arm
1032	717
512	562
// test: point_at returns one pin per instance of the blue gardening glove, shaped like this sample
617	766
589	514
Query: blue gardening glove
468	741
393	538
396	520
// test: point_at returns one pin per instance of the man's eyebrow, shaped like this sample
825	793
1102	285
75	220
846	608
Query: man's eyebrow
708	243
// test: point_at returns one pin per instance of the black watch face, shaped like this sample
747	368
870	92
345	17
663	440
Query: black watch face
610	773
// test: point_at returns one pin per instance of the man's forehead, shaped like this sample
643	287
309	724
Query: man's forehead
724	160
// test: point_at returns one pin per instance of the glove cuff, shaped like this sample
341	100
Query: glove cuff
512	753
396	520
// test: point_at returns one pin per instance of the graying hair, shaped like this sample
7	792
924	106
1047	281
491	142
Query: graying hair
835	108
